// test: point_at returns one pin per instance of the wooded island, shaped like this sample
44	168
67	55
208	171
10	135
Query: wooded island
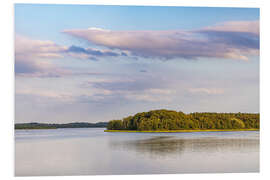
168	120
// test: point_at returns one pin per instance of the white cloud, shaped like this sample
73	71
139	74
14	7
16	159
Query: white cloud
150	95
208	91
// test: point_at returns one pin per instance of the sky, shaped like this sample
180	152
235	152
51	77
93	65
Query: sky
92	63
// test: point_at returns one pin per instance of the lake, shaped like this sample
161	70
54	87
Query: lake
91	151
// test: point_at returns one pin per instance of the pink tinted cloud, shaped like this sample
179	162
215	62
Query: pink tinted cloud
31	57
237	26
231	40
26	48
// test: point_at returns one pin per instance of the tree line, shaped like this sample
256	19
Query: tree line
172	120
55	126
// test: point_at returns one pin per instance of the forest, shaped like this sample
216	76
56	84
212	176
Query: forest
157	120
55	126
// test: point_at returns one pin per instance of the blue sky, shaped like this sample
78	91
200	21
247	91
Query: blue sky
97	63
34	19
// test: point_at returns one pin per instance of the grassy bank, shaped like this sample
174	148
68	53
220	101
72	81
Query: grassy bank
181	131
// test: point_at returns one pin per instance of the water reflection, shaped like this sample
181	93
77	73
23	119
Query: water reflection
91	151
169	145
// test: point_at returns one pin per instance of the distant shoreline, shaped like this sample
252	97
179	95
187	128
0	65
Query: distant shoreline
181	131
25	126
57	128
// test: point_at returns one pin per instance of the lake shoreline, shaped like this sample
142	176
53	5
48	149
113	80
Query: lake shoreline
58	128
182	131
35	125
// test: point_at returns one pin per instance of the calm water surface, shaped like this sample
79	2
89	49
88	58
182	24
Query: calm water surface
89	151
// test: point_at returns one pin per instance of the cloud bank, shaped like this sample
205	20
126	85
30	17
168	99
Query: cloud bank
229	40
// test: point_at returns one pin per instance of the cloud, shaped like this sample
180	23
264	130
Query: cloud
26	48
136	89
66	95
232	40
28	68
151	95
40	95
33	57
207	91
130	84
90	53
237	26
